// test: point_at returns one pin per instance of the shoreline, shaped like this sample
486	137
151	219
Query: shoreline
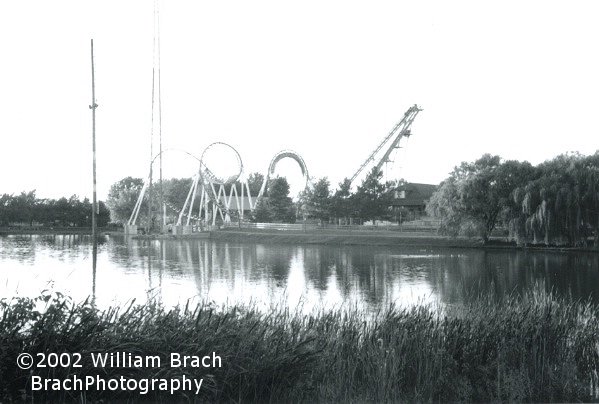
10	231
413	239
322	237
342	238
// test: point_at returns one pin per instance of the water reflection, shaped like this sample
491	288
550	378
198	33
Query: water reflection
310	276
94	265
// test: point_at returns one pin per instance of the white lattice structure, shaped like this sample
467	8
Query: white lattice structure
213	196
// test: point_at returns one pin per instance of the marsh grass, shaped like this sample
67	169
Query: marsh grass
532	348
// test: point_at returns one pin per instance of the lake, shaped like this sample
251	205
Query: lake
308	276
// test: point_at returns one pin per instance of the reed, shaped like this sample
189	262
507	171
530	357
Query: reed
532	348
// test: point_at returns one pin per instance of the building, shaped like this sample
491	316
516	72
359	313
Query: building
410	199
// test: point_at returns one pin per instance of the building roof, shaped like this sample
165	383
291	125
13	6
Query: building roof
414	194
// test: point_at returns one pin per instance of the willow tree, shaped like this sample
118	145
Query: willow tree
477	196
561	206
445	203
591	196
555	203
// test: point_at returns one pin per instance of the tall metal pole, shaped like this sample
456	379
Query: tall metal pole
93	107
94	201
155	89
150	191
160	115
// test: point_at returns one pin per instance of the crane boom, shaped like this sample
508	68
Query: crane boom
397	133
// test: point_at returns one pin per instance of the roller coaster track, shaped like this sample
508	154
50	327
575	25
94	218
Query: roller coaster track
273	165
213	188
391	140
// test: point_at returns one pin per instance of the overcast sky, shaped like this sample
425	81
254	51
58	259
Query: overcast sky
327	79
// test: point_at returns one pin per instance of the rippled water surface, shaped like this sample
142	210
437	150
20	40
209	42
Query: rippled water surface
311	276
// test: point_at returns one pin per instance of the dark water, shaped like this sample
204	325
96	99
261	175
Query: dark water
310	276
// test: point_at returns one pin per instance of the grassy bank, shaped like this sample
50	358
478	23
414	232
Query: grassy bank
375	238
342	237
45	230
536	348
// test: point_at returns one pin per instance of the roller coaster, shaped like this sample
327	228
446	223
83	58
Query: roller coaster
221	196
218	196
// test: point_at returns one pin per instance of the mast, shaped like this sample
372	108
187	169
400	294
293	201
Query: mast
157	29
151	160
156	119
93	107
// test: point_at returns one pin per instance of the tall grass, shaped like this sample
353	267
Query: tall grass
532	348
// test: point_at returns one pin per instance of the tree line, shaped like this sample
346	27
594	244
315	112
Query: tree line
27	209
553	203
123	195
371	200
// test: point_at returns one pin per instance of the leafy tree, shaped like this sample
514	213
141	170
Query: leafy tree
487	189
341	201
80	211
122	197
281	204
255	181
22	207
263	212
175	191
373	197
26	208
6	214
62	212
468	200
479	195
317	200
103	217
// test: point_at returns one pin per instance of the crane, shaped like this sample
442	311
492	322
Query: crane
391	140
